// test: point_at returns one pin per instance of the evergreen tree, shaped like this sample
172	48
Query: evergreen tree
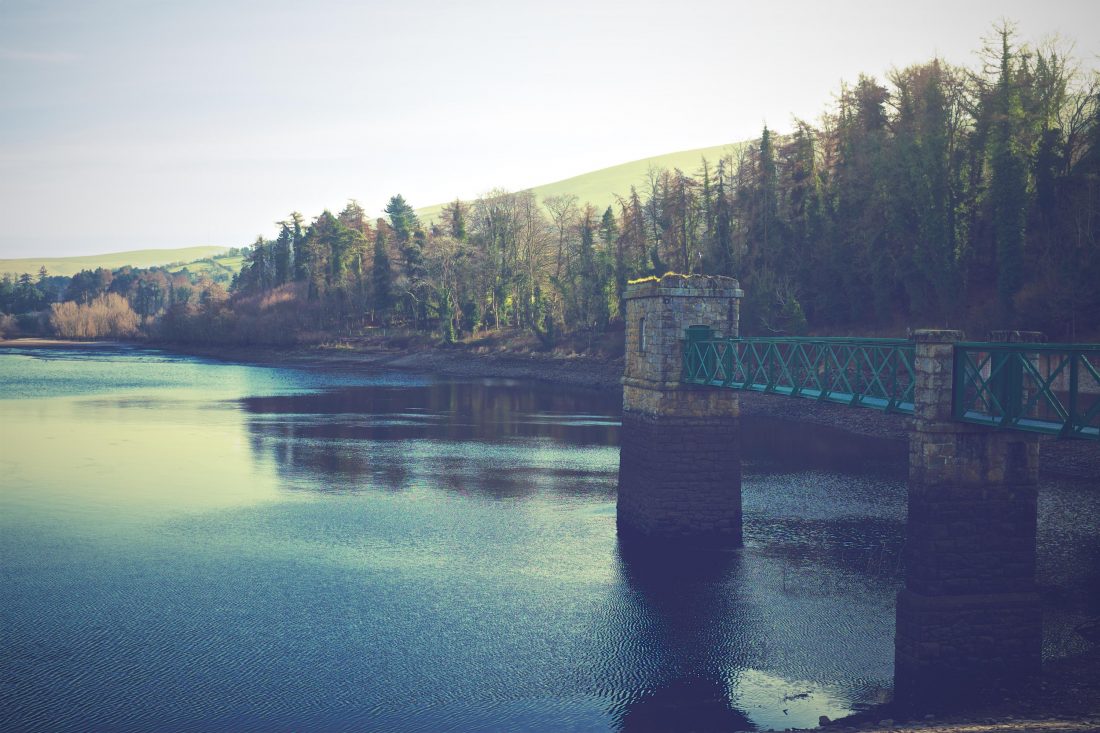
612	243
381	275
768	207
416	288
297	237
593	275
257	272
722	241
454	216
284	254
354	217
446	316
402	219
707	204
322	254
634	228
1008	179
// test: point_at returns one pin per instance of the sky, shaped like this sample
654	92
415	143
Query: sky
135	124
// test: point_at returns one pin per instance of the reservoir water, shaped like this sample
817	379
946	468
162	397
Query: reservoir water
187	545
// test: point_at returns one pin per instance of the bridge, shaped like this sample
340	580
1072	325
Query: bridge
969	611
1017	383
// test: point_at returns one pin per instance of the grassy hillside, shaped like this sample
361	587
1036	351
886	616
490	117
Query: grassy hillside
134	258
597	187
600	187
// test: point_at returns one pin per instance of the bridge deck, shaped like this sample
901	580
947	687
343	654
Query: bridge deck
1045	388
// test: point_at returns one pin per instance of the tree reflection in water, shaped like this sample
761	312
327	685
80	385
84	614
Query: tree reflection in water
456	435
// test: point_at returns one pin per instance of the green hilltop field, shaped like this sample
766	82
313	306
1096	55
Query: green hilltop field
599	188
135	258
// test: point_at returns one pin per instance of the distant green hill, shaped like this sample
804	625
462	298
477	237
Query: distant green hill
599	188
112	260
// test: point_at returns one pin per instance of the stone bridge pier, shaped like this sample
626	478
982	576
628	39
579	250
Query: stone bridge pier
680	460
968	618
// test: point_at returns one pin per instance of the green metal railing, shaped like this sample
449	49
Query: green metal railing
1042	388
874	373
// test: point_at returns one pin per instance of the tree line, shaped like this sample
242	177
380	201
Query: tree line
123	302
942	195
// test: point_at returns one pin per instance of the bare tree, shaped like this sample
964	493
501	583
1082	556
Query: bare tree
563	214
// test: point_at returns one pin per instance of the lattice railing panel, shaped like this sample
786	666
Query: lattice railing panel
874	373
1042	388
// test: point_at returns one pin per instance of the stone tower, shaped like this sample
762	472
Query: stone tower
680	461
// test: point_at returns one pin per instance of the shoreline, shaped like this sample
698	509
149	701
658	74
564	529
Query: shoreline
1077	460
578	371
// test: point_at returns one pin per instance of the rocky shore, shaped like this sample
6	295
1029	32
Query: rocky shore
1065	700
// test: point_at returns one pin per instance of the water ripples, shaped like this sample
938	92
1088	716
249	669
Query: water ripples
423	557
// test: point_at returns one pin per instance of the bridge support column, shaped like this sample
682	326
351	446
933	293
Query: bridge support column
968	619
680	460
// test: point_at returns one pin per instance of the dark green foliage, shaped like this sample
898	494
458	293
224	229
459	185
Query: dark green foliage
590	277
297	236
613	245
402	218
381	276
86	285
454	216
924	219
258	271
284	254
23	294
720	244
416	288
1008	181
471	315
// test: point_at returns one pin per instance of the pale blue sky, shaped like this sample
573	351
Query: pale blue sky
131	124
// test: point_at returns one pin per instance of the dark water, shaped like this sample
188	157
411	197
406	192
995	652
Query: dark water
190	545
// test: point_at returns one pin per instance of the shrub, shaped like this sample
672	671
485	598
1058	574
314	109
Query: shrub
283	316
8	326
107	316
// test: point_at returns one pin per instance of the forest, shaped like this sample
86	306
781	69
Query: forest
940	196
125	302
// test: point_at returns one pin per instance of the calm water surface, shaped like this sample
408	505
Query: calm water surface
191	545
